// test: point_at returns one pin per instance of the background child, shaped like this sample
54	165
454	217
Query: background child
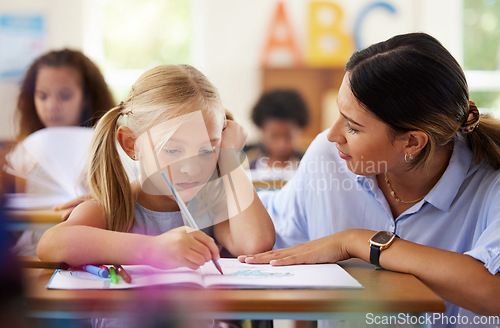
60	88
280	115
172	121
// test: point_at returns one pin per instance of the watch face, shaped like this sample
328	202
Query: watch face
382	237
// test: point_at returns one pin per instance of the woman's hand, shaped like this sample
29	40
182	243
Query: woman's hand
328	249
233	136
181	247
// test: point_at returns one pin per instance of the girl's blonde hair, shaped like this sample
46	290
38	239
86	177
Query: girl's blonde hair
160	94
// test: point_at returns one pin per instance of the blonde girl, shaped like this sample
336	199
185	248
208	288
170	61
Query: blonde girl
173	114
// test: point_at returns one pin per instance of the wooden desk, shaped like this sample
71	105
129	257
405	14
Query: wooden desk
384	292
35	216
33	219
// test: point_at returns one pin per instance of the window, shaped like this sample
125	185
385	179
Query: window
482	53
127	37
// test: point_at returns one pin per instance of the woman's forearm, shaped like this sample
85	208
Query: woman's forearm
458	278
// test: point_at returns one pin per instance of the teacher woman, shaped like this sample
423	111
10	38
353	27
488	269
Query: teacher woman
406	178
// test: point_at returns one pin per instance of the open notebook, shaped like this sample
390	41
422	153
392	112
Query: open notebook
236	275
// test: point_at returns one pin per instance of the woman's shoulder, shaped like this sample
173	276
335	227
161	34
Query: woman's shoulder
486	177
482	182
481	171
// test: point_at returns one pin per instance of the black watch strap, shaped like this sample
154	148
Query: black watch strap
375	256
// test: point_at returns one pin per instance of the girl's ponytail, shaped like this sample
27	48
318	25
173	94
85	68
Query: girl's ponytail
108	179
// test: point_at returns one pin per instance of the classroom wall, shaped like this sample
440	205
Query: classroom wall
231	34
234	33
64	29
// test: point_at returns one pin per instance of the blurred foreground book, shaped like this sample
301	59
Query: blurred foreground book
51	165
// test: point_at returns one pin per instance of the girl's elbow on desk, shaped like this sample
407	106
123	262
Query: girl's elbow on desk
263	242
257	237
49	249
61	243
252	243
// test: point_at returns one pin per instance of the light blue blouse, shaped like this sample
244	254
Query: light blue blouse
460	214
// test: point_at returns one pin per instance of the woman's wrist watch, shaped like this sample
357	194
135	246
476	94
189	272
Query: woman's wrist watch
380	241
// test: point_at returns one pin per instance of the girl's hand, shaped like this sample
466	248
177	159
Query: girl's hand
233	136
70	206
328	249
181	247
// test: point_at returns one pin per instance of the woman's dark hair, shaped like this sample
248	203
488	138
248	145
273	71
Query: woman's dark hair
283	105
96	94
411	82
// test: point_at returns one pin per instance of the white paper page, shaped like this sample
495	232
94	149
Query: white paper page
62	153
142	276
54	156
264	276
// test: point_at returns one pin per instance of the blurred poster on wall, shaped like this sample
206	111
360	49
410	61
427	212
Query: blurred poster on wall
22	39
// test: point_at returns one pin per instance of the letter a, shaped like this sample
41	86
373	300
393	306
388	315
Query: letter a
280	39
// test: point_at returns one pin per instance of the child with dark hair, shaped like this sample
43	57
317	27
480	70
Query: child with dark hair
61	88
280	115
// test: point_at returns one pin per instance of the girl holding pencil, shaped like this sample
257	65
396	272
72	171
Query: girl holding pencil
174	125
